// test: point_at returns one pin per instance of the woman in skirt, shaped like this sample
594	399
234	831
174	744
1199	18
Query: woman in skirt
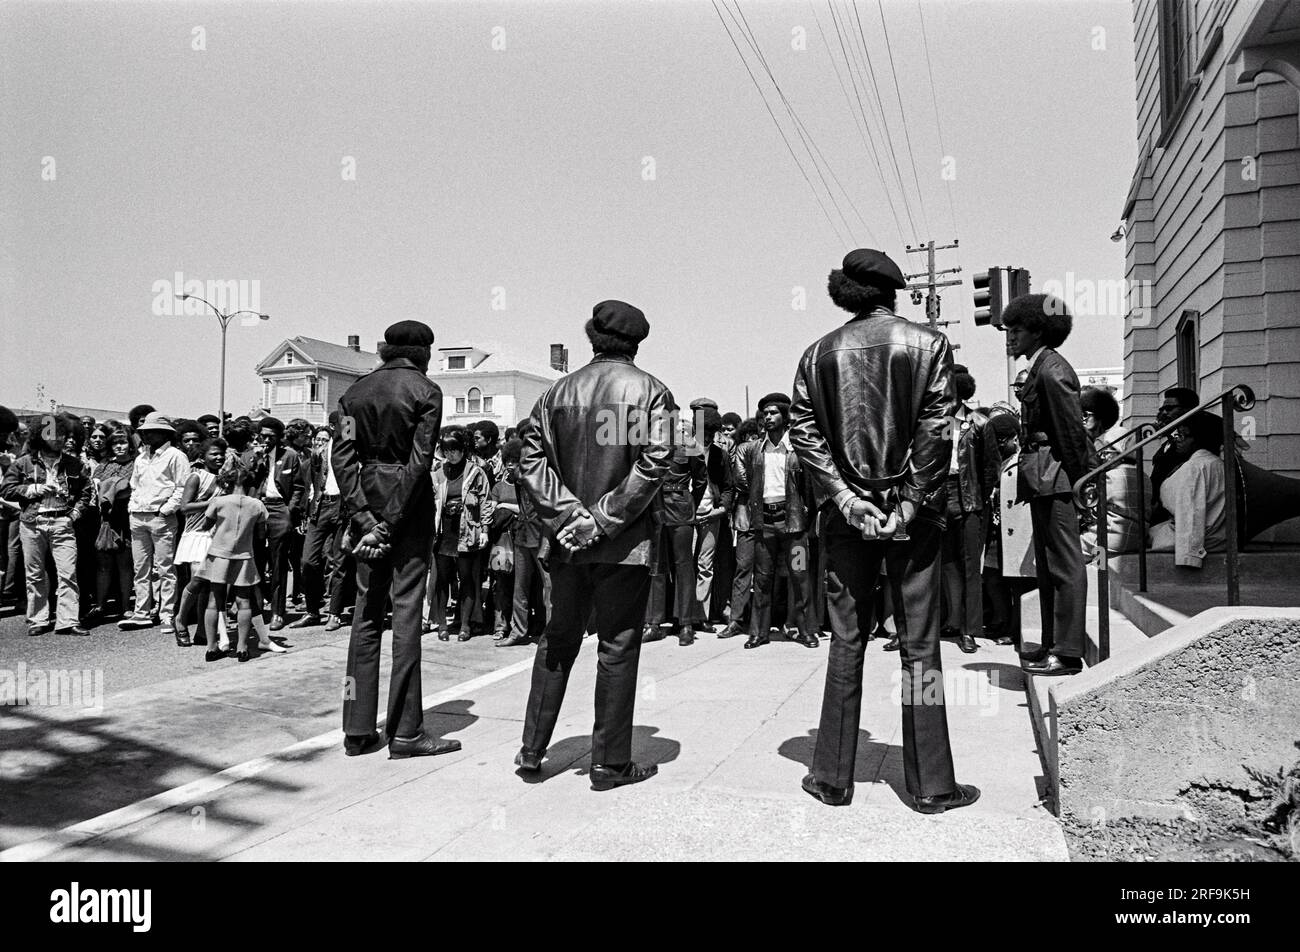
238	523
193	548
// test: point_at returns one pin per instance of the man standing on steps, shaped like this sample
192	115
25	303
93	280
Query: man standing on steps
870	421
597	449
389	420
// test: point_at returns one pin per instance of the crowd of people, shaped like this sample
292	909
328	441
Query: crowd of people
877	491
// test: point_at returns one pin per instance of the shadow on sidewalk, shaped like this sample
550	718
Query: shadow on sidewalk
875	761
563	755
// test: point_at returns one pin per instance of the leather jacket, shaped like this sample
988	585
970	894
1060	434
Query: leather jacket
601	439
684	484
382	459
749	487
978	463
1055	450
872	402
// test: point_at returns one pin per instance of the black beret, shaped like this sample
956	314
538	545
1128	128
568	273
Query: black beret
409	333
621	320
1004	425
778	398
868	266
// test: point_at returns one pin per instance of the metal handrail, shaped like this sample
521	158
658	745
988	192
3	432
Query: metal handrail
1093	486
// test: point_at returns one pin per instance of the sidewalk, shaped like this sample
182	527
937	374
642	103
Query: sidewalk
731	730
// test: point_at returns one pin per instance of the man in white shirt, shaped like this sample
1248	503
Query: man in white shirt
157	483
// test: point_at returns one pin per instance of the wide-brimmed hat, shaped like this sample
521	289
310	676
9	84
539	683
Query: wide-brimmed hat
158	422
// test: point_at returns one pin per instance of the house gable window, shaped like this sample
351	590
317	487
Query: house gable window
1189	350
288	358
456	363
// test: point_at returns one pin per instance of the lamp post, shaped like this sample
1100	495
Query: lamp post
225	320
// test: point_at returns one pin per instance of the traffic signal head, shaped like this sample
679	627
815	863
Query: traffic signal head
988	298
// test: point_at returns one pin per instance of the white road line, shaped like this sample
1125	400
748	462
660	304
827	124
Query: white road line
204	788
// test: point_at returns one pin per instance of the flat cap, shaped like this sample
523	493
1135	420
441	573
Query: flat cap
699	402
409	333
868	266
620	319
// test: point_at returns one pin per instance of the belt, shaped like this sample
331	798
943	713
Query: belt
773	508
52	513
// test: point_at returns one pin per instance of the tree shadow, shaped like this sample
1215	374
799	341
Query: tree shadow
875	762
563	755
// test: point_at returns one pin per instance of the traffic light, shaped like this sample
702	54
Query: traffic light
1018	282
988	298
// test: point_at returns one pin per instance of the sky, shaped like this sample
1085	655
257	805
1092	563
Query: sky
495	169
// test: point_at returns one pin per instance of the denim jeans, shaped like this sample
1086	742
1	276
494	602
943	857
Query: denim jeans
40	537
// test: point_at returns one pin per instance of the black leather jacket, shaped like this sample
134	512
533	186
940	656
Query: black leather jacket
601	438
978	463
749	487
381	460
872	401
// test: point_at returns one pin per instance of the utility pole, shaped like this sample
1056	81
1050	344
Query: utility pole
930	285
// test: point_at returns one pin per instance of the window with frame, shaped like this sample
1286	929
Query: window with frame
1188	351
1177	57
487	404
288	391
288	357
475	400
313	389
456	363
460	404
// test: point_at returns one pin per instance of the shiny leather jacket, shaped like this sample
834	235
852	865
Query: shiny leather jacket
749	487
684	484
1055	450
601	438
872	402
978	463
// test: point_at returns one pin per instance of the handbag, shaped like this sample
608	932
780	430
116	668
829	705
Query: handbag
108	540
502	557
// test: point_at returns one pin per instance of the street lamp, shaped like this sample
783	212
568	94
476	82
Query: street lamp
225	320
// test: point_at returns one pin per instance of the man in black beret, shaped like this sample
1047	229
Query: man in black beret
1055	452
770	479
388	422
597	447
870	424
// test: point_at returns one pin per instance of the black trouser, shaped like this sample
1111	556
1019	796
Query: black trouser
12	586
1062	578
464	567
912	568
618	593
532	589
400	575
677	543
769	544
110	564
503	598
322	553
86	529
275	561
963	563
724	571
294	545
743	580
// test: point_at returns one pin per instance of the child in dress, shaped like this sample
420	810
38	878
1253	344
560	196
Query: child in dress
193	547
238	523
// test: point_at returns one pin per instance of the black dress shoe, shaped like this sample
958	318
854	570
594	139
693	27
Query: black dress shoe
685	636
242	656
1004	640
466	634
963	796
967	644
78	630
948	631
807	639
399	748
36	630
756	641
529	761
651	633
892	644
446	633
307	621
511	641
832	796
1053	666
277	622
213	654
608	776
731	631
354	745
1032	657
334	623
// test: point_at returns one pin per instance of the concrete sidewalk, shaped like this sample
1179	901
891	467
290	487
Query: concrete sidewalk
732	731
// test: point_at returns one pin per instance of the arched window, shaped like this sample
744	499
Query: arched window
475	400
